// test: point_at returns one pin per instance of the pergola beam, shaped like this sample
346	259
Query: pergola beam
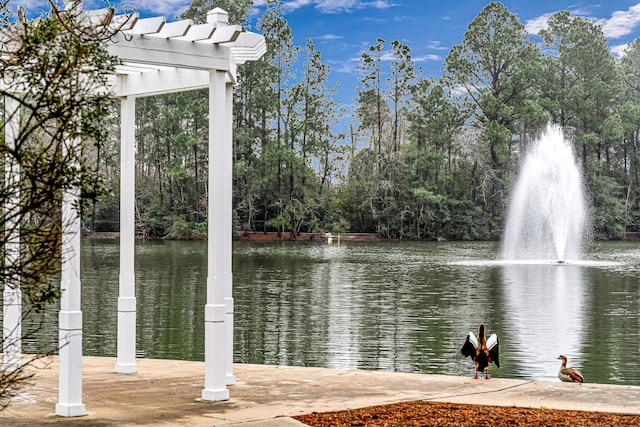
159	81
174	52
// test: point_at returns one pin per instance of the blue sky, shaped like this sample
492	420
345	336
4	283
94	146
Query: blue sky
343	29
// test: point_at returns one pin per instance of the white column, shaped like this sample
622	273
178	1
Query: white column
12	295
70	316
215	308
226	189
126	362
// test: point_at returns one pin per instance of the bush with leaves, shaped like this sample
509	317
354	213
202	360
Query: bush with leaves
55	69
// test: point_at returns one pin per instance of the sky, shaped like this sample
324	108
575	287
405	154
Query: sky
342	29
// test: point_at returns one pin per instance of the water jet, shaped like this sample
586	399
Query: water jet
547	211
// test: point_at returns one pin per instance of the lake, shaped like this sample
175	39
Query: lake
392	306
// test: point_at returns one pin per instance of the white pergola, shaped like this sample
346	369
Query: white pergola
157	57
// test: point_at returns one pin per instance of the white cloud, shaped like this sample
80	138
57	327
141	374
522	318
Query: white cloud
168	8
348	66
621	22
435	45
426	58
389	56
328	37
533	26
296	4
620	50
338	6
172	8
381	4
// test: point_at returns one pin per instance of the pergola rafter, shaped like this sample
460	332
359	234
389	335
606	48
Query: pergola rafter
159	57
177	56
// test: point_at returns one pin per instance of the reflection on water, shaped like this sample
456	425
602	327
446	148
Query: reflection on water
545	308
384	306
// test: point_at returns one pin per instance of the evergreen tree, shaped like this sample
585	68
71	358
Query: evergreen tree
280	58
372	108
585	99
494	70
630	113
586	82
400	79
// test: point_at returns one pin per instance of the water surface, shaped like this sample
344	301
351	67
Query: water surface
381	306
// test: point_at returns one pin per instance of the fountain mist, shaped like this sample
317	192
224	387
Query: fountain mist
547	214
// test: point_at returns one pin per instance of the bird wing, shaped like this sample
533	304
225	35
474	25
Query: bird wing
573	374
492	346
470	346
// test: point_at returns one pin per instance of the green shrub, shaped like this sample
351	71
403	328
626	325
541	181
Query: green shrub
179	230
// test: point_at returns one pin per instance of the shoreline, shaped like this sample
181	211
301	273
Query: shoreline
267	237
272	236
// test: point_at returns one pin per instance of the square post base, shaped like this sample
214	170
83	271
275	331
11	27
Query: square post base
215	395
77	410
126	368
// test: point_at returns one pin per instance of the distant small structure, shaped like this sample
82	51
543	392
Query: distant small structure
330	238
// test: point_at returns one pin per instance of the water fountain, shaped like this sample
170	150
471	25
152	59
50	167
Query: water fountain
547	214
545	225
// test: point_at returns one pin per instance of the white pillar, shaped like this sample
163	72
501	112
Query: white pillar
126	362
215	308
226	189
70	316
12	295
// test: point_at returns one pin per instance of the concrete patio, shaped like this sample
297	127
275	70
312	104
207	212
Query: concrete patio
167	393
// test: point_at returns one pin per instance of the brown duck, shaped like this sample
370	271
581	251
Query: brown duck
569	375
481	350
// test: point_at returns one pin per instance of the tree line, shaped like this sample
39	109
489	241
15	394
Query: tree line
413	157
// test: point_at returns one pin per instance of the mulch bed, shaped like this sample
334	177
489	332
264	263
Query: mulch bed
427	414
